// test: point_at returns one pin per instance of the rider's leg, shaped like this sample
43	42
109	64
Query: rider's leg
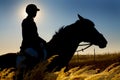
32	52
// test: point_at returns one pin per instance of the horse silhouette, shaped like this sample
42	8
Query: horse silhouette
65	42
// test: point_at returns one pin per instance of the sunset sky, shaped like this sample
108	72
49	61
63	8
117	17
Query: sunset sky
56	13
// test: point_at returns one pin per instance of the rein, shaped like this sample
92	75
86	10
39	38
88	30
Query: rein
89	45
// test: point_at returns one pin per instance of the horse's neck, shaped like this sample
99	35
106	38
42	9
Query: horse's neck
66	46
64	42
72	46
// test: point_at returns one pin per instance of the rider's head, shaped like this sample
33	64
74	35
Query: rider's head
31	10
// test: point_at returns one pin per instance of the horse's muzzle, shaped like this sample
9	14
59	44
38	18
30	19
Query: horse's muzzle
103	45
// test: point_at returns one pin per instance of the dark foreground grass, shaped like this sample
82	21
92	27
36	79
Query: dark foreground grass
82	67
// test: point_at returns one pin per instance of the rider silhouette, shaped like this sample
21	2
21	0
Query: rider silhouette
32	44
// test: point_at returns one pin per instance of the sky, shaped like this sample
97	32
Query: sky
54	14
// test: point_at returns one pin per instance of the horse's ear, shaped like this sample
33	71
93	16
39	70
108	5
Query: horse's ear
80	17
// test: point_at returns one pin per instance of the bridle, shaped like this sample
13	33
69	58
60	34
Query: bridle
87	46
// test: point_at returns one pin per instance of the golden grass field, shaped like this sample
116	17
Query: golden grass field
81	67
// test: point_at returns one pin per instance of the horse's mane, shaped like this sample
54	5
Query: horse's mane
63	30
59	31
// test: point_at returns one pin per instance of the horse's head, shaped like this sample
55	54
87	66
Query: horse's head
89	33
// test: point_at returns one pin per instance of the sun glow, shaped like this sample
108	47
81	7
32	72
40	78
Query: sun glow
21	11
